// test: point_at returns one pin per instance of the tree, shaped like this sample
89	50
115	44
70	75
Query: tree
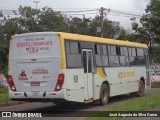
3	56
35	20
151	20
78	25
49	20
94	23
28	19
112	29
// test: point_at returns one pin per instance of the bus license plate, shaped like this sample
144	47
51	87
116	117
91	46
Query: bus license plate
35	83
36	93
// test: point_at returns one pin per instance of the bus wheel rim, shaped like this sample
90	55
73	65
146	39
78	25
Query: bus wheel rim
104	95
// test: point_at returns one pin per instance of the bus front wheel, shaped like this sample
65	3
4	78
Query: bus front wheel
104	95
141	88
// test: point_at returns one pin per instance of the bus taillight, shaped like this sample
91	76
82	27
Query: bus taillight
60	82
11	83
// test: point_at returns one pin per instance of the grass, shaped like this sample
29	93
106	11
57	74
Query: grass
4	97
139	104
155	85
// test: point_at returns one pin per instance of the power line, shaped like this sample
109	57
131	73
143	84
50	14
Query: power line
123	15
81	12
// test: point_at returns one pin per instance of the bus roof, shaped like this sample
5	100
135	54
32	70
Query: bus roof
86	38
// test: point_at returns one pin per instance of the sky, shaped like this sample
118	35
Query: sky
131	6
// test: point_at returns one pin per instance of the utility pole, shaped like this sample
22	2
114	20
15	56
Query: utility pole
36	28
103	13
102	22
36	3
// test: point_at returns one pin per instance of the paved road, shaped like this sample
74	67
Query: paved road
71	109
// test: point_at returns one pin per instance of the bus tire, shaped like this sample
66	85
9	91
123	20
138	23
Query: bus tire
141	88
104	95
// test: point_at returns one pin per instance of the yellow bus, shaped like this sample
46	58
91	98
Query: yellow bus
57	66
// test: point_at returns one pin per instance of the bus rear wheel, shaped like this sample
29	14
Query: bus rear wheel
141	88
104	95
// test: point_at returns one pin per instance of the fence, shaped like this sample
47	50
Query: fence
155	66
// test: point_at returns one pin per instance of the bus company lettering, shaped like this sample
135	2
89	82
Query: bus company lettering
31	44
126	74
40	71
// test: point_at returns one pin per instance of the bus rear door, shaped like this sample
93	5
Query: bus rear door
88	74
148	74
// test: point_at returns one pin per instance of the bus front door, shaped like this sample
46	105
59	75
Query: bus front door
148	74
88	74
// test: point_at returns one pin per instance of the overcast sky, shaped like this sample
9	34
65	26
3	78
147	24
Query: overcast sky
133	6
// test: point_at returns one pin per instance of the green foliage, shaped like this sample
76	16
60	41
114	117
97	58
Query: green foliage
49	20
156	49
88	26
3	56
155	85
150	23
1	14
4	97
112	29
78	25
155	54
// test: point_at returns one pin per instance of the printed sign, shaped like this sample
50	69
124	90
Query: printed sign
34	45
40	71
126	74
35	83
23	76
75	78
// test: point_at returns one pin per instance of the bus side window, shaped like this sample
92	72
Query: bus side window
134	52
132	56
118	51
98	55
67	47
85	61
113	57
124	56
73	56
140	56
74	47
105	55
97	49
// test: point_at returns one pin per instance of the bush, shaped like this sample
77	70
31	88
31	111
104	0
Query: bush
155	85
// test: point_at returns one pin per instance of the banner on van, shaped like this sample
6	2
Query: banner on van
34	45
40	71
